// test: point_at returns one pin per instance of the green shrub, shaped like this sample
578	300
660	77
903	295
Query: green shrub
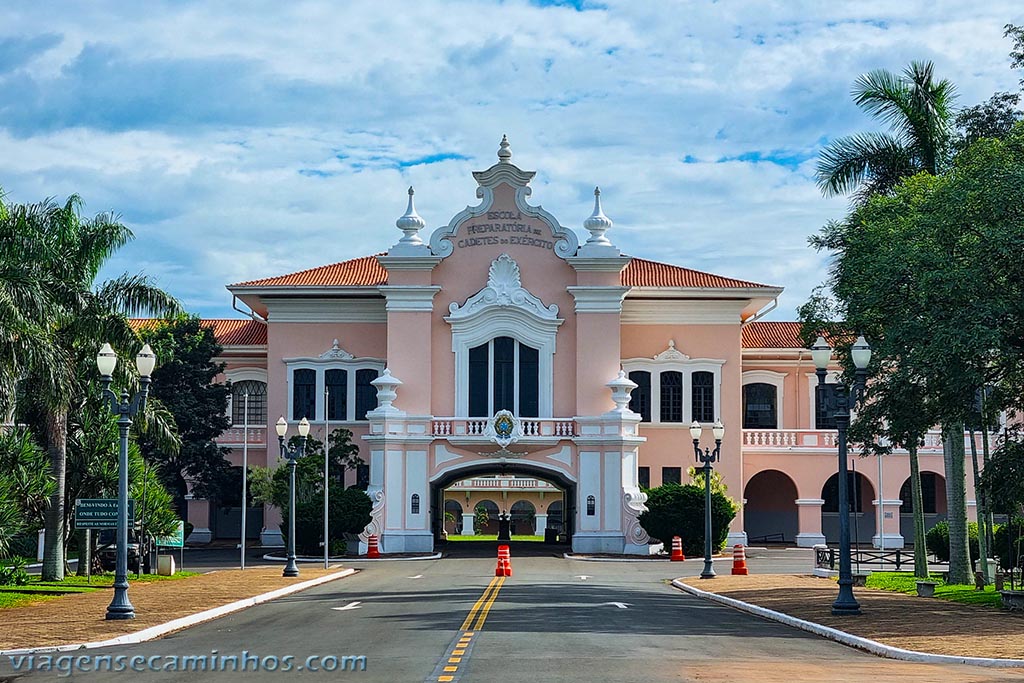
1001	549
350	513
14	573
937	541
674	510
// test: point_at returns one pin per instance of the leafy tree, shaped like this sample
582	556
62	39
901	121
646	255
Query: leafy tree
1003	477
481	518
932	274
994	118
675	510
919	113
52	265
25	485
184	385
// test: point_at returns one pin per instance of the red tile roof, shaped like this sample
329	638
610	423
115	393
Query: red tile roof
772	335
367	272
227	331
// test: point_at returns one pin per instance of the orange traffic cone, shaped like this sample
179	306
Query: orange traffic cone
677	549
505	560
372	550
739	560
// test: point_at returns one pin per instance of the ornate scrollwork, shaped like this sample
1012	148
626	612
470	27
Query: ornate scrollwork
633	506
376	525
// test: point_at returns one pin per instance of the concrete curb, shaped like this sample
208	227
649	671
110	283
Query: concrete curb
844	638
184	622
277	558
435	556
587	558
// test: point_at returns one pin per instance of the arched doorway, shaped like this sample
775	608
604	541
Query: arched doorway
452	517
560	488
933	494
862	509
523	517
770	513
482	528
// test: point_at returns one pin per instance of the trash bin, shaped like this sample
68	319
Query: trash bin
550	535
165	565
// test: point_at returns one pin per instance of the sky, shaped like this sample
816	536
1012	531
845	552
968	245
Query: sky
242	140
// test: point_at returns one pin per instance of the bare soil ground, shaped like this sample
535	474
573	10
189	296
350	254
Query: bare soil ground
923	624
80	618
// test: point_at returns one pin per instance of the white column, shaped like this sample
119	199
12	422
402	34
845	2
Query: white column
467	524
540	524
888	514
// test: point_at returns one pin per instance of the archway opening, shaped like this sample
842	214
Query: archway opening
933	495
770	513
862	509
537	503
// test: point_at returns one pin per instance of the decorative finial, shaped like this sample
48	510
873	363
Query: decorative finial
598	223
411	224
504	150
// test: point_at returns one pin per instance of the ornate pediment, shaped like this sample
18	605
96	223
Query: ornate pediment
336	353
671	353
504	289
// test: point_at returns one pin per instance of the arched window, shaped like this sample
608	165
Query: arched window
591	505
759	401
640	399
257	393
304	394
672	396
414	506
703	395
504	375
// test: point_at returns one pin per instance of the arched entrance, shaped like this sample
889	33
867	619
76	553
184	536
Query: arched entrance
506	479
862	510
933	494
770	512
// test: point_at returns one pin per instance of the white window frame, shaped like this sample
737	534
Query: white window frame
812	381
687	368
515	376
778	380
320	367
242	375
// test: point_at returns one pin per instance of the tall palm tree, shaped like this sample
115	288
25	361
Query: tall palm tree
67	317
919	113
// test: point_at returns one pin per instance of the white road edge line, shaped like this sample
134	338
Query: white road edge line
844	638
184	622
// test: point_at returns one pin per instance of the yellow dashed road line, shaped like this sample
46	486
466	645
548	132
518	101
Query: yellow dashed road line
448	670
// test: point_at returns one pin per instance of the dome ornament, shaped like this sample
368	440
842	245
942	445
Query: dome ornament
411	223
598	224
504	151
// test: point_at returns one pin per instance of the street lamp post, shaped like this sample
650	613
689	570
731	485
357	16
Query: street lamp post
707	456
839	404
125	408
292	455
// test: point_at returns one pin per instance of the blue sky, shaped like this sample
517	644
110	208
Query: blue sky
244	140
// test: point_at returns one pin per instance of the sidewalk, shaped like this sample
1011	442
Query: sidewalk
80	618
904	621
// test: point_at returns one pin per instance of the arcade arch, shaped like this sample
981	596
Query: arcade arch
770	511
862	509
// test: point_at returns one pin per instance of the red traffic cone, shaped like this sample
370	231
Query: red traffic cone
372	550
677	549
739	560
505	559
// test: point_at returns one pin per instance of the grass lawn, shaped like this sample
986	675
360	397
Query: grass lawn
493	537
905	582
36	590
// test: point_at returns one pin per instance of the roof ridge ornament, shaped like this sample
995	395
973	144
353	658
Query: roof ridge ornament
504	151
336	353
410	223
598	224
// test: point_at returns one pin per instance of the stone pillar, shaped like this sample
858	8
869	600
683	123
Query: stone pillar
809	522
270	535
199	516
467	524
888	537
540	524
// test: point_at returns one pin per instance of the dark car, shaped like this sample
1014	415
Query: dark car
106	550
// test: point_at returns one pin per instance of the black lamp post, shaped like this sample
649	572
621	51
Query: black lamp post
125	408
292	455
707	456
839	403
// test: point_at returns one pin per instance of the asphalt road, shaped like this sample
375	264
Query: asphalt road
553	620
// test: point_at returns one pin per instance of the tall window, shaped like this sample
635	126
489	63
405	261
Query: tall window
671	475
823	417
366	393
672	396
336	383
759	406
304	394
640	399
257	392
643	475
703	395
504	374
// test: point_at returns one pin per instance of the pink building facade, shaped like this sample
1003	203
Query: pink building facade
501	343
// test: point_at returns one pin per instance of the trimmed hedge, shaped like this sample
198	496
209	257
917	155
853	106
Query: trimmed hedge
675	510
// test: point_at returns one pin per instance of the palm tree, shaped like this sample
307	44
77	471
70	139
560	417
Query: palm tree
919	113
65	317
